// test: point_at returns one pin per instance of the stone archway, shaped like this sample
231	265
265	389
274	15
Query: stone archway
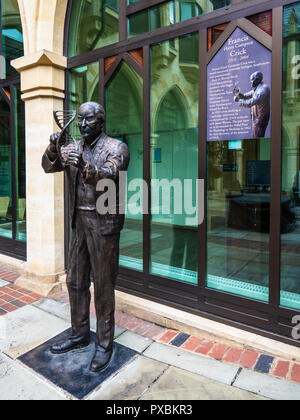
43	24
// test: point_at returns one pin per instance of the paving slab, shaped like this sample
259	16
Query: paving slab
134	341
131	382
62	310
59	309
177	384
26	328
209	368
267	386
17	383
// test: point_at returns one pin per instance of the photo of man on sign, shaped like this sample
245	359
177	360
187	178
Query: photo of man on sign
259	101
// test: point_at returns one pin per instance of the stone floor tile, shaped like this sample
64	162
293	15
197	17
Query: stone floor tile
210	368
54	307
28	327
267	386
131	382
177	384
18	383
134	341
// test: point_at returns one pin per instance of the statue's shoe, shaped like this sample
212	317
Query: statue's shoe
100	360
69	345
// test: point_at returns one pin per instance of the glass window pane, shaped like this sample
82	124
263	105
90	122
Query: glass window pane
174	159
94	24
290	211
83	87
20	167
11	36
5	171
238	217
124	107
170	13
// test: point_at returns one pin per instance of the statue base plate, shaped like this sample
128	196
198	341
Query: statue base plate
70	371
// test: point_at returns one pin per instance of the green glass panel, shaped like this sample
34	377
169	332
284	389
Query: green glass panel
238	217
170	13
83	87
5	171
94	24
124	107
20	166
290	213
11	37
174	159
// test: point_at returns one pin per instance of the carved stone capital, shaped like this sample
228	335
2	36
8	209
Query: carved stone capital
42	75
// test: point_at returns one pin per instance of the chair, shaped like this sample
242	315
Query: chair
4	203
21	209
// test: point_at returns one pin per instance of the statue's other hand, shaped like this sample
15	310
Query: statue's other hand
236	99
75	157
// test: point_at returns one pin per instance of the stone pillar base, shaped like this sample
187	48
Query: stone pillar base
44	285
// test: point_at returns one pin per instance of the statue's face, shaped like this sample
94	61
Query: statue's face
256	79
89	123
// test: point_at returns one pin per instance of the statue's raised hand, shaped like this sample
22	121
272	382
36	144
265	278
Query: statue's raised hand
53	142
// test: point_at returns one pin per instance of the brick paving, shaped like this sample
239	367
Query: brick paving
13	297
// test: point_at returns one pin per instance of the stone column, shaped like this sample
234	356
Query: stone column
42	84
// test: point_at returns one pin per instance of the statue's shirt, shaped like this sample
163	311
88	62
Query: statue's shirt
85	193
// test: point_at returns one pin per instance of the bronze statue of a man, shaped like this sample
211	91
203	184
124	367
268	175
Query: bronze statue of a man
95	237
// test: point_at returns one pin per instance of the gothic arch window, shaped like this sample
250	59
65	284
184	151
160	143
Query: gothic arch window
93	24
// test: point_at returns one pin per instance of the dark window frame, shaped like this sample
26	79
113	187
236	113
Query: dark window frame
268	319
12	247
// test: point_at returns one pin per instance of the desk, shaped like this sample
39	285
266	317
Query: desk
252	212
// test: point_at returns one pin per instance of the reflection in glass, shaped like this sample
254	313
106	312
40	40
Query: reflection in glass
20	167
238	217
124	107
170	13
174	159
5	170
94	24
11	37
290	218
83	87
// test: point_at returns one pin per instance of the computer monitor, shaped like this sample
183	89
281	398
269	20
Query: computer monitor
258	173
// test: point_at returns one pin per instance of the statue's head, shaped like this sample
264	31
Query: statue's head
91	119
256	78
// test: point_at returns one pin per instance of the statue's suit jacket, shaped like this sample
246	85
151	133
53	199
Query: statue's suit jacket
108	157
